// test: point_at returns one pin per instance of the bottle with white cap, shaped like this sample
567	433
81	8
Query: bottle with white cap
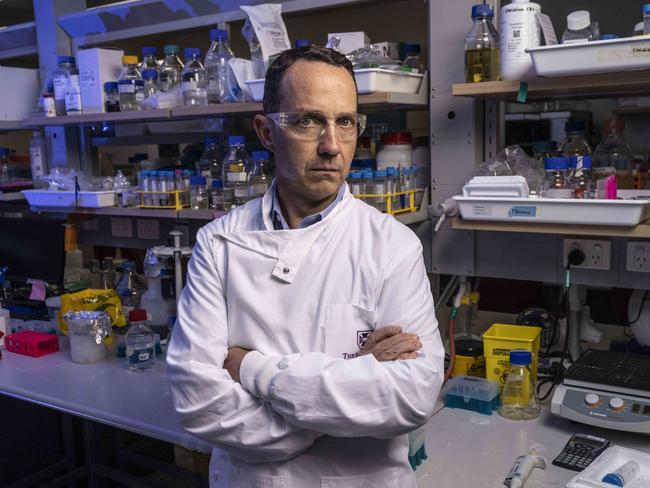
519	30
578	28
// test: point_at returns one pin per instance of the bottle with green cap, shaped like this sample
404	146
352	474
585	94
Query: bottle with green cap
519	399
169	76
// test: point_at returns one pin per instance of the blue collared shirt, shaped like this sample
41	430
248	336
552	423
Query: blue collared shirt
279	222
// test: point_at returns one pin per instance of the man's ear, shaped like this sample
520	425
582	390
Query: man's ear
264	133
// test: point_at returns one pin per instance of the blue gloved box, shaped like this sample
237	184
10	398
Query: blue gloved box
471	393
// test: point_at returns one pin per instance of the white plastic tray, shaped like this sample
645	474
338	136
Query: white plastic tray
609	461
88	199
625	213
387	80
614	55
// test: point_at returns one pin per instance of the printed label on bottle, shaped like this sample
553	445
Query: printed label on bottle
558	193
242	192
73	95
519	30
37	162
126	86
49	109
236	177
60	83
189	85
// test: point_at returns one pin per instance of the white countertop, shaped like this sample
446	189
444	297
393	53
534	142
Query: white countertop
465	449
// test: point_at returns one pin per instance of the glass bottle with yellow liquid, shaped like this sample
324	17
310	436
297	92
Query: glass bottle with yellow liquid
482	47
518	398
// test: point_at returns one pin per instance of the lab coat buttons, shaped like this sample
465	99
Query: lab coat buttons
286	270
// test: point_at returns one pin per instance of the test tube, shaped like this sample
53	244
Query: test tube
367	187
356	183
379	183
163	187
391	180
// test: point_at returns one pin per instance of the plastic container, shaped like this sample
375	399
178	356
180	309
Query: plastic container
580	178
613	151
194	81
519	398
150	76
578	28
608	462
169	75
66	66
112	99
209	164
261	177
32	343
396	150
198	193
216	195
149	60
130	85
216	66
237	165
609	56
140	343
496	186
555	183
84	348
500	339
646	18
475	394
519	30
37	157
371	80
482	47
574	143
89	199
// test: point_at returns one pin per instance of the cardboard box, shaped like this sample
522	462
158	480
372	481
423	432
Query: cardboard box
350	41
96	67
20	91
389	49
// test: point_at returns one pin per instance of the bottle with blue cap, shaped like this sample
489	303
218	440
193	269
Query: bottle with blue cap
149	60
66	66
356	183
150	77
575	144
169	75
555	183
198	193
646	18
237	166
216	65
519	399
194	81
482	47
261	175
379	186
623	474
580	178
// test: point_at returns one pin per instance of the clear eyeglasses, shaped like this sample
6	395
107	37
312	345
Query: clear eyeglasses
311	126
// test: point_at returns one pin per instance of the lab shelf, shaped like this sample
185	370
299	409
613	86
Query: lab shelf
18	40
112	211
7	125
175	137
378	100
605	85
640	231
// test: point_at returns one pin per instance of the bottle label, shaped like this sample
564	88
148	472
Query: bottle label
126	86
37	161
189	85
49	109
60	82
73	95
520	29
558	193
242	192
236	177
139	355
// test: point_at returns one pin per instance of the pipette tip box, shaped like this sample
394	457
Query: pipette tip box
475	394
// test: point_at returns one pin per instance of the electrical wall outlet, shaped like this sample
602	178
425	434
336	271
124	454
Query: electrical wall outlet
638	256
598	254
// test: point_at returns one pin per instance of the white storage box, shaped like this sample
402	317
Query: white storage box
89	199
497	186
256	88
610	460
610	56
19	93
371	80
96	67
626	213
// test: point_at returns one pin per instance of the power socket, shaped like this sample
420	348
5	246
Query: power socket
598	254
638	257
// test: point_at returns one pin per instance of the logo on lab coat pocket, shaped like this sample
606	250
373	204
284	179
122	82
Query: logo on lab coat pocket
362	337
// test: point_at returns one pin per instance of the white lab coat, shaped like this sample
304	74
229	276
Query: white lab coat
307	413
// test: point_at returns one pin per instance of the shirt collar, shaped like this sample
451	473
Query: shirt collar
279	222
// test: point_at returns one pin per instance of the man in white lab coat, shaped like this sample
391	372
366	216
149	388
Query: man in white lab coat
306	345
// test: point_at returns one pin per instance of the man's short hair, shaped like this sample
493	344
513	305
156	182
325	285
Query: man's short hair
277	70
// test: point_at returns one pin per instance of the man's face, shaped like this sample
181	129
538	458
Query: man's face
314	170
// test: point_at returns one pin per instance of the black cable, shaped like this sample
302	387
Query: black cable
638	315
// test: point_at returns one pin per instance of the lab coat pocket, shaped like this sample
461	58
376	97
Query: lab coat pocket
385	478
347	327
225	474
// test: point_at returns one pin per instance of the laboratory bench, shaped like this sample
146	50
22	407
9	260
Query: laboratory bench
465	449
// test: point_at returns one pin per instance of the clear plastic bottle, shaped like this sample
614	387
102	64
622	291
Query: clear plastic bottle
579	28
216	65
555	183
261	176
194	80
412	60
150	76
519	399
65	67
198	193
73	94
646	18
236	167
7	168
482	47
379	188
519	30
149	60
112	100
356	183
140	343
129	288
613	150
169	75
580	178
209	164
130	85
216	195
38	158
574	144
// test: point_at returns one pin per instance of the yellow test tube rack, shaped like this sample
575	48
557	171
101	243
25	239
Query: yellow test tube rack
176	199
390	198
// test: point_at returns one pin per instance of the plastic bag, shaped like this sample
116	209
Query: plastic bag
66	179
513	160
371	56
241	70
91	300
265	33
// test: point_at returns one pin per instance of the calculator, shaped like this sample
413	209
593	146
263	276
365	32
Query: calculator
580	451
